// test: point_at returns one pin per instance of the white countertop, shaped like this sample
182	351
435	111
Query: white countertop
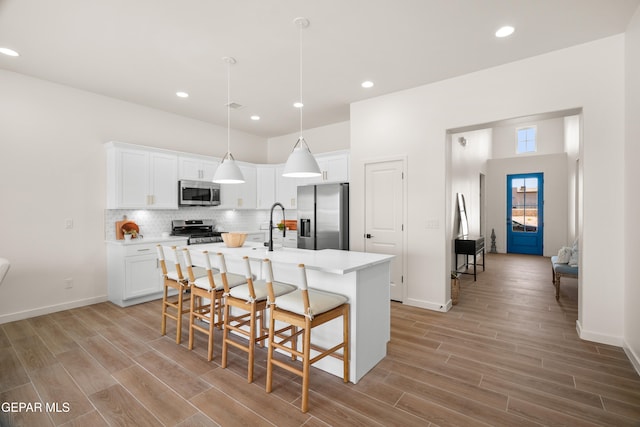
328	260
151	239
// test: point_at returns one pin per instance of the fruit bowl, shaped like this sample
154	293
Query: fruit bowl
234	240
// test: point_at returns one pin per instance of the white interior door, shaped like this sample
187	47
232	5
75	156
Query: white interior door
384	213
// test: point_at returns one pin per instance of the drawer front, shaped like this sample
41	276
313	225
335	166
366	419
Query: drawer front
469	246
144	249
150	248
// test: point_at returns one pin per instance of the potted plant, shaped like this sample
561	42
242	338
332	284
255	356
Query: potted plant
455	287
129	234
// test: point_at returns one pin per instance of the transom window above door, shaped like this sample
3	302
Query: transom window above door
526	140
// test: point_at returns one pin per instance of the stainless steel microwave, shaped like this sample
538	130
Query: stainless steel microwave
198	193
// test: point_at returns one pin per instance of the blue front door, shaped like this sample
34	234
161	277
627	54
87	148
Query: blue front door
525	213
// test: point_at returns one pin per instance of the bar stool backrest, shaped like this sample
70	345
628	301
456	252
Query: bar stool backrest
304	288
268	276
172	258
207	262
249	277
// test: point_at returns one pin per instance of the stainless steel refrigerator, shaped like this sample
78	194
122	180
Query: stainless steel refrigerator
323	216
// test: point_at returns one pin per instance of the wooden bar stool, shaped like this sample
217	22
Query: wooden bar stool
174	308
303	310
251	300
206	298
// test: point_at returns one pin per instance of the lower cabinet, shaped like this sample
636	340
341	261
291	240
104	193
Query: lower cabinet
289	241
258	237
133	272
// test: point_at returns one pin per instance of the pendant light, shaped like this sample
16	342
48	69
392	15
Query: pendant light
301	163
228	172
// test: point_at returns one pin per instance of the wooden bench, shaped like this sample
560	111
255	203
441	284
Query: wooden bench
560	270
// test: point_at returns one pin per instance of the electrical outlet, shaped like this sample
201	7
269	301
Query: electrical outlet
432	224
68	283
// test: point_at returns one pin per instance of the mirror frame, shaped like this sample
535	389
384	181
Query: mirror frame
463	224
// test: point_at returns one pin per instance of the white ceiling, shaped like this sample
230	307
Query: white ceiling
143	51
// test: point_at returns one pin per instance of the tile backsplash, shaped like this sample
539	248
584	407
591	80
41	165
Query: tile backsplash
155	222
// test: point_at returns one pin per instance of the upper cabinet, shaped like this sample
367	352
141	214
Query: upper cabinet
197	168
240	196
266	186
287	189
140	178
334	168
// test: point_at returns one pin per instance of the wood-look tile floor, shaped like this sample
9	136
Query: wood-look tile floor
507	354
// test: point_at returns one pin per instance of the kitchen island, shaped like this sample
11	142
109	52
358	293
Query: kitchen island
362	277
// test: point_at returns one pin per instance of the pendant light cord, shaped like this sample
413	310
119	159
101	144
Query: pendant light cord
301	103
228	108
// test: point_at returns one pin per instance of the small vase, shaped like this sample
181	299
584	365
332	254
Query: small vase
127	237
455	290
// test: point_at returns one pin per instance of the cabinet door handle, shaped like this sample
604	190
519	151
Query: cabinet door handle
143	250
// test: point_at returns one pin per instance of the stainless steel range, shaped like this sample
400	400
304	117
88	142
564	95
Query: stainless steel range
198	230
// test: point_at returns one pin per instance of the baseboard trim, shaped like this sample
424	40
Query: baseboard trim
597	337
633	357
428	305
40	311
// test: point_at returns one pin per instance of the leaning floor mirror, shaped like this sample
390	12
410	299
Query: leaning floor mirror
463	228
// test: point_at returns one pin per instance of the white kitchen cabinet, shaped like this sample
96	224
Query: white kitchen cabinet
257	237
289	241
197	168
334	168
141	179
286	189
266	186
240	196
133	272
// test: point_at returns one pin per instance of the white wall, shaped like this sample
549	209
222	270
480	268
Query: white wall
52	167
554	169
322	139
467	163
414	123
572	148
631	195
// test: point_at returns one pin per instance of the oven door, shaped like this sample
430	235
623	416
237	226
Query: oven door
198	193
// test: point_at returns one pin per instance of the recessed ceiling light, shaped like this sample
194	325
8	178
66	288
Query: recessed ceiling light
8	52
505	31
182	94
298	104
255	118
367	84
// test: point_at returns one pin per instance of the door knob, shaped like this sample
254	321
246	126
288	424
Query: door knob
368	236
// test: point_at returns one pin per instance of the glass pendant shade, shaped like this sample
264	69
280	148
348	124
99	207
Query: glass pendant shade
228	172
301	163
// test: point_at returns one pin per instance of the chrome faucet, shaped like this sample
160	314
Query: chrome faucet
284	229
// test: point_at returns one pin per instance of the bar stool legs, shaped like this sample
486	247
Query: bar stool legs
250	300
303	310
